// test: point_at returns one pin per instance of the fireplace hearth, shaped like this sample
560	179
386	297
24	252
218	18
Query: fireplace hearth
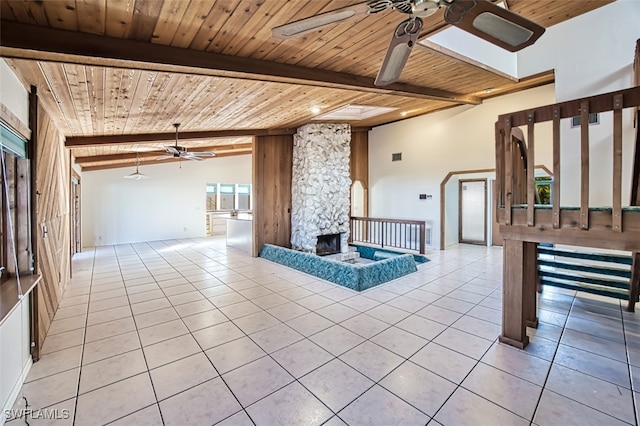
328	244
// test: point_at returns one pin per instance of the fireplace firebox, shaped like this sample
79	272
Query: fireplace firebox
328	244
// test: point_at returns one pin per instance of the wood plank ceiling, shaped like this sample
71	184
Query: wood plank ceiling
125	69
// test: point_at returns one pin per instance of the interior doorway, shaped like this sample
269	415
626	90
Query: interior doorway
472	219
76	244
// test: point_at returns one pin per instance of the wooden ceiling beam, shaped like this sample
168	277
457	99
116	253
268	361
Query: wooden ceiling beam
150	162
85	141
218	150
33	42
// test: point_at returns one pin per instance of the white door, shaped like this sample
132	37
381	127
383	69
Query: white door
473	211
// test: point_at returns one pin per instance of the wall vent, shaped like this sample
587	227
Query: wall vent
594	118
396	156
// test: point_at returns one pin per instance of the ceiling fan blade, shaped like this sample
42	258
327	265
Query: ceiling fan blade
172	150
311	23
164	157
403	40
192	157
493	24
202	154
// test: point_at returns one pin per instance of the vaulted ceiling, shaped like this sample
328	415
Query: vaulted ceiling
115	75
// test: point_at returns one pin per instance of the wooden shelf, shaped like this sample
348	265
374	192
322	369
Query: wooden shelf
9	293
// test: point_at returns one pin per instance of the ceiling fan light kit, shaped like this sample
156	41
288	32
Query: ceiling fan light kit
481	18
137	175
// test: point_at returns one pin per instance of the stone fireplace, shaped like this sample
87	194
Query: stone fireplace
321	185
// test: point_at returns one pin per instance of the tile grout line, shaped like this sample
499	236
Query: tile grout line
75	408
546	379
634	401
214	367
144	356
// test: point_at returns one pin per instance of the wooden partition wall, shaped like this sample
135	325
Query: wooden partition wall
360	163
272	171
52	219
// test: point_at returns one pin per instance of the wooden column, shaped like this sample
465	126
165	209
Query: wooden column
272	171
519	292
360	164
32	150
634	285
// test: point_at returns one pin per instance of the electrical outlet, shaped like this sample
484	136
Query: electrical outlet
184	229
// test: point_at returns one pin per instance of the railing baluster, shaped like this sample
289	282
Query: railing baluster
508	178
531	165
403	234
616	209
584	165
555	203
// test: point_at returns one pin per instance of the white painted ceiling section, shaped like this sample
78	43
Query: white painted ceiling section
479	50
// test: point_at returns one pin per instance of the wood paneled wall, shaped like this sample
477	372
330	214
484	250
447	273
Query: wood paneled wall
360	163
272	171
52	218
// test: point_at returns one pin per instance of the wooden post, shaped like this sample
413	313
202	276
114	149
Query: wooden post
616	206
634	284
32	150
508	178
555	203
584	165
531	284
519	278
499	182
531	165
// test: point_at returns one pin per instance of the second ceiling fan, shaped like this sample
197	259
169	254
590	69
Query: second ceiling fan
177	151
481	18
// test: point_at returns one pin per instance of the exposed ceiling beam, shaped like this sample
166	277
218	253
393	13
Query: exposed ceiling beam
218	149
47	44
85	141
150	162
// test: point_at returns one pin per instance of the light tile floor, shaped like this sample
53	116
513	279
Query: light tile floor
191	332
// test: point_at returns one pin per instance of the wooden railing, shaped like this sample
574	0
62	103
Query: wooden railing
523	223
395	233
516	200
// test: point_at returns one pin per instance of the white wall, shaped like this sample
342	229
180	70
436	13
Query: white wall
15	356
591	54
13	94
169	205
432	145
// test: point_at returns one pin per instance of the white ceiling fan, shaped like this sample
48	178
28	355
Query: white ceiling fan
177	151
481	18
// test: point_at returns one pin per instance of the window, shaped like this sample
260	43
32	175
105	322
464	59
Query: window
15	220
212	197
227	196
244	197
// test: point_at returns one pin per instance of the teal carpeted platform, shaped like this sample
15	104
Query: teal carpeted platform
357	277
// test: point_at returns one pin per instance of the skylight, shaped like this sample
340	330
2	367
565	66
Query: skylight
465	44
476	49
354	113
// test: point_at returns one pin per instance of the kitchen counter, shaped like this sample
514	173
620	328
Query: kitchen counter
240	231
